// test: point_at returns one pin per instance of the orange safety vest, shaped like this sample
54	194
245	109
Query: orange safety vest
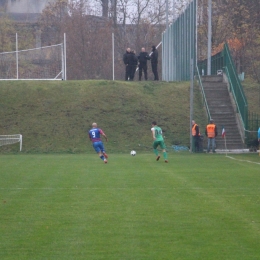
193	130
211	130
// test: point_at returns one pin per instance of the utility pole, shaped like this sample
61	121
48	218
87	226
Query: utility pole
167	12
191	98
167	41
173	11
209	37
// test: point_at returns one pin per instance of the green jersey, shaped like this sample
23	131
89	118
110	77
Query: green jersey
158	133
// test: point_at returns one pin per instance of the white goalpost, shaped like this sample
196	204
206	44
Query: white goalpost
44	63
11	139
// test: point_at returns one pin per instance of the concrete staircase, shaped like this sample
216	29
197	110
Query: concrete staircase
222	112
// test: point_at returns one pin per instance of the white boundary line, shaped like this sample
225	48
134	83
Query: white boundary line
114	188
241	160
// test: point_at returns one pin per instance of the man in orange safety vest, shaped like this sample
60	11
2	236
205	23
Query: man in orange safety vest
211	132
195	131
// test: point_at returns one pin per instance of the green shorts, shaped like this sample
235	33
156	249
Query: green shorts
159	143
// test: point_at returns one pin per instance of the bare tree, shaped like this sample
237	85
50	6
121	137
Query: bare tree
114	12
135	23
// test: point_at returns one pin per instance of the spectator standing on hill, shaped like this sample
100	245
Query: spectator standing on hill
95	136
158	141
154	62
211	132
195	131
126	58
142	59
132	63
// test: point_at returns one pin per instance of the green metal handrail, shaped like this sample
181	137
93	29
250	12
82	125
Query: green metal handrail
232	89
236	87
203	92
223	61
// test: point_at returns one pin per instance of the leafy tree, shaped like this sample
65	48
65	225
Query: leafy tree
7	34
236	22
244	23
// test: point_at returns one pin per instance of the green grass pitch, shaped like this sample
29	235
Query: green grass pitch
198	206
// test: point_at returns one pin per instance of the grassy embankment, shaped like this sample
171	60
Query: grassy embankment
55	116
252	92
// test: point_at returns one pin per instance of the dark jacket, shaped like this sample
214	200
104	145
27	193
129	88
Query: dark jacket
132	59
143	57
126	57
135	60
154	56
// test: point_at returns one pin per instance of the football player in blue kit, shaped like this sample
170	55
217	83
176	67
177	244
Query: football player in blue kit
95	136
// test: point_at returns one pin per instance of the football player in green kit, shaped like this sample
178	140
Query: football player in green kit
158	141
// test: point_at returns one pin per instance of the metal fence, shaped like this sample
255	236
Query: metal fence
217	63
43	63
253	126
179	46
253	121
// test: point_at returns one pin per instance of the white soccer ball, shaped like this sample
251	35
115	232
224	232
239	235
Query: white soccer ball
133	153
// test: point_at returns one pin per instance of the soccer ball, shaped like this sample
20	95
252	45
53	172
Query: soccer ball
133	153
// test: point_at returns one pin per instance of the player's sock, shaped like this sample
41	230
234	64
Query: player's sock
102	157
165	156
105	155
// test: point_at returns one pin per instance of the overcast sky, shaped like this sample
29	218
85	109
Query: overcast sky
95	5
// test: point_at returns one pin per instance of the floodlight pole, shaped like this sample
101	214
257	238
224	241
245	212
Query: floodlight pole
167	12
191	99
209	37
173	11
113	55
167	40
65	58
17	71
